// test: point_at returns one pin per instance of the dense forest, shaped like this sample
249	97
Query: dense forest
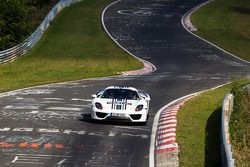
15	19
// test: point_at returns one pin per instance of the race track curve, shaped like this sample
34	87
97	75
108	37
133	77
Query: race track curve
50	126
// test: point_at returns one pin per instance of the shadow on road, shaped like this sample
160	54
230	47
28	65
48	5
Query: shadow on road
87	118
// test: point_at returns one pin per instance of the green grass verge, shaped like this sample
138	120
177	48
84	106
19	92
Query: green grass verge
198	129
227	24
74	47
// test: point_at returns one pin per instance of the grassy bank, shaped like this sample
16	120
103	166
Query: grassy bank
74	47
198	130
227	24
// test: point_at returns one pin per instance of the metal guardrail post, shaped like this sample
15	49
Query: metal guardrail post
227	155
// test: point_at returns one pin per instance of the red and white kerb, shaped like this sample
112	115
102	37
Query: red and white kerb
166	133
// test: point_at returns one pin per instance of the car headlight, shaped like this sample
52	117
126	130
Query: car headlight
139	108
98	105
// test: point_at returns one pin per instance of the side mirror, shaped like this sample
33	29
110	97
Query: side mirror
145	96
94	96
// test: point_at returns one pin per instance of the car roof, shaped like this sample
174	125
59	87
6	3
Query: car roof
121	87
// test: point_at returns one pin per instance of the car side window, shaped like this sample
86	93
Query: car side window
132	95
108	94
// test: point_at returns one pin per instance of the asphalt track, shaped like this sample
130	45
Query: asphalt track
50	126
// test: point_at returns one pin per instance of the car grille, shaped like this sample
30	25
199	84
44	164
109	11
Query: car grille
101	115
135	116
118	107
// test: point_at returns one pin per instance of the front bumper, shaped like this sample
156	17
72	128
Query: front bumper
129	116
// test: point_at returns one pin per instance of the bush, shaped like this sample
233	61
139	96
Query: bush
240	125
13	27
14	20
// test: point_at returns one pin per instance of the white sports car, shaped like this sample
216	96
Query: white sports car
122	103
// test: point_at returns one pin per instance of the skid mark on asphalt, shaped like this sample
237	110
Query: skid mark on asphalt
28	92
42	159
32	145
44	139
23	108
40	115
107	154
48	133
97	159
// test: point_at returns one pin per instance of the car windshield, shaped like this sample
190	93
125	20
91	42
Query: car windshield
120	94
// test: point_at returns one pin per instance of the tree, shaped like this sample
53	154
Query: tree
14	23
13	27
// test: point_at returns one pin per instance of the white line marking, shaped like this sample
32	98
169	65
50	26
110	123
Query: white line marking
167	122
34	112
139	135
76	132
123	127
168	118
23	130
166	140
166	126
174	145
111	134
165	135
170	111
167	130
35	163
43	155
76	99
48	130
61	162
22	107
28	160
15	159
4	129
65	108
35	157
51	98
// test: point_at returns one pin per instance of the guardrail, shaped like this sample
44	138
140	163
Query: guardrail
226	148
17	51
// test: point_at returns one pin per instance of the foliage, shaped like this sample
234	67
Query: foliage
240	125
13	27
14	20
38	3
